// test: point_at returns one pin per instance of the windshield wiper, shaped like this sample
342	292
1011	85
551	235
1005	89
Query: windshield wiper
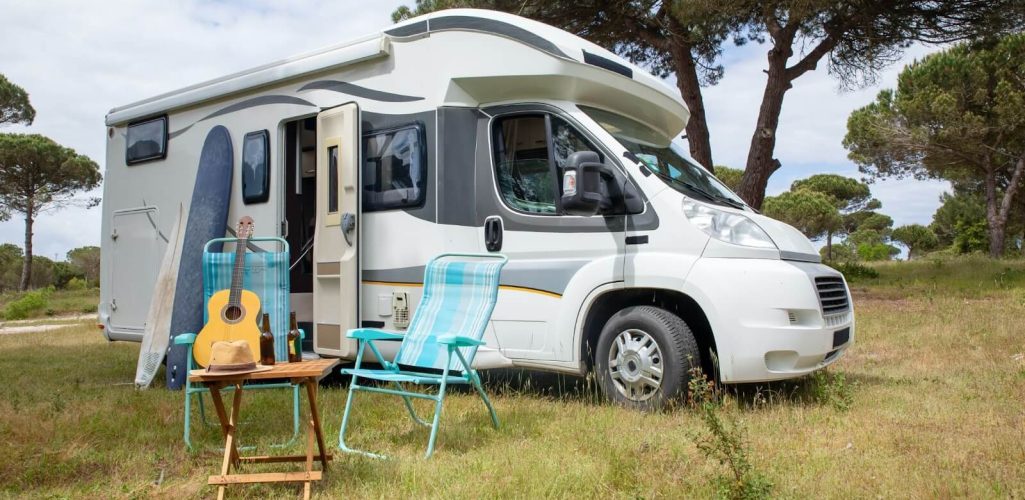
686	185
712	196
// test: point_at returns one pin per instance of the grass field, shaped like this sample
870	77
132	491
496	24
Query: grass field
929	403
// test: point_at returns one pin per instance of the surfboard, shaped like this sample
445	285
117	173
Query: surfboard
158	320
208	219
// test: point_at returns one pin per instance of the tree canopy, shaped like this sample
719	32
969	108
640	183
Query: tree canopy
14	104
686	38
36	175
729	176
811	212
87	261
851	200
955	209
958	115
916	237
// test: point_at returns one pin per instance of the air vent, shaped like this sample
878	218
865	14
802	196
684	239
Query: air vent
792	316
832	294
400	309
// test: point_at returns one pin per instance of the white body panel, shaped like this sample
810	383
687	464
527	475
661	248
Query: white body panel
453	73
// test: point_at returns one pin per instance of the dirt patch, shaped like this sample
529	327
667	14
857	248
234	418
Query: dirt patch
46	325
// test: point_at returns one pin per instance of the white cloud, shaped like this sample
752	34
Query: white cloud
79	59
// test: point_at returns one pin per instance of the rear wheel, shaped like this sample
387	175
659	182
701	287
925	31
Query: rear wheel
644	357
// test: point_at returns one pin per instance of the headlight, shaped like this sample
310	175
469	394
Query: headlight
726	226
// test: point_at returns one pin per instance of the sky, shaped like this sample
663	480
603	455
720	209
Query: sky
79	59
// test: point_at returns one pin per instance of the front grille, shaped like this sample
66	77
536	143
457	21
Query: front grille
832	294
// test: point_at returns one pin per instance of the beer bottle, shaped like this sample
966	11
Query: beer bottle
294	356
266	342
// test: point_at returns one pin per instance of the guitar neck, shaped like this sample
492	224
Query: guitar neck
234	295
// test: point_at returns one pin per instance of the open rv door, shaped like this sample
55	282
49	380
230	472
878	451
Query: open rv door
336	241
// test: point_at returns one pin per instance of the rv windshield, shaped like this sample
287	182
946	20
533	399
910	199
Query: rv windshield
664	158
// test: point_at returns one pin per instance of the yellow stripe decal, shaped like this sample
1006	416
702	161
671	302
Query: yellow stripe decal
503	287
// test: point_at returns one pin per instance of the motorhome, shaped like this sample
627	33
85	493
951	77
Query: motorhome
477	131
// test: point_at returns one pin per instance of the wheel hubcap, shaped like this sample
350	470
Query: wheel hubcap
635	364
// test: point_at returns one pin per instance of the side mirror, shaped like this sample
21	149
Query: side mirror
581	184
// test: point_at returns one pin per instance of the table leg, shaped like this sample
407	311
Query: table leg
311	393
229	424
309	458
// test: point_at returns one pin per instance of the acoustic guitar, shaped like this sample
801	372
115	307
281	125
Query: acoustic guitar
233	312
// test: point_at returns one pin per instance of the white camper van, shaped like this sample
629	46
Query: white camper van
477	131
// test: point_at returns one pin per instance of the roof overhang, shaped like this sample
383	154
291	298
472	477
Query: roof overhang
367	48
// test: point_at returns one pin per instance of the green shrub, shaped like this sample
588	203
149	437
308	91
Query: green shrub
724	440
28	304
831	388
877	251
76	284
856	272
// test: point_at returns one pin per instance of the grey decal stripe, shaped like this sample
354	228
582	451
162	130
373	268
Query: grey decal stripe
248	103
496	28
399	275
410	30
258	101
356	90
178	132
545	276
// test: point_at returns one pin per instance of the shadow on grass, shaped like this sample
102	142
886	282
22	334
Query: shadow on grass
825	387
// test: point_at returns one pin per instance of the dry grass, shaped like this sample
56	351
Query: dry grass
935	386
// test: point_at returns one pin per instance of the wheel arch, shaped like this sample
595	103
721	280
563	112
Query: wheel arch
612	301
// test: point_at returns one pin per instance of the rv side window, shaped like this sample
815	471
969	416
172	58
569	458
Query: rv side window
524	174
147	140
256	167
394	168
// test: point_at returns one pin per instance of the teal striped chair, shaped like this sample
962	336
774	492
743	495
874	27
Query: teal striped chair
460	291
266	274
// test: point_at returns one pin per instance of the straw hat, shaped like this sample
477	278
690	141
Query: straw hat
231	358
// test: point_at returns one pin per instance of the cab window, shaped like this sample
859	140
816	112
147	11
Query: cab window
531	151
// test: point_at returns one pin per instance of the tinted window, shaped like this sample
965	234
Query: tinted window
256	167
332	179
147	140
525	176
394	168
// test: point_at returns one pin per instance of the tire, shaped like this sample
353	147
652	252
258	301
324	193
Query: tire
633	374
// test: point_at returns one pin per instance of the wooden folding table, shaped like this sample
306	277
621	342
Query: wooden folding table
306	373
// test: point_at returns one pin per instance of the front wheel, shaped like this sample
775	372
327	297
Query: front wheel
644	357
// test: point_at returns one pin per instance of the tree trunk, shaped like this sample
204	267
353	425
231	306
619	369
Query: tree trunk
760	163
997	216
829	246
690	89
26	264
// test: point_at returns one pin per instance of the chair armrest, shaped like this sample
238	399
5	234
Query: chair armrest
458	341
185	339
372	334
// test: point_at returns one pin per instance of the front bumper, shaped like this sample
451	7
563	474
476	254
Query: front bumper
767	318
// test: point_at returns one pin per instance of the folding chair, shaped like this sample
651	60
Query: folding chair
460	291
266	274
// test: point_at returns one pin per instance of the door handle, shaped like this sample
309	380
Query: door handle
493	234
347	226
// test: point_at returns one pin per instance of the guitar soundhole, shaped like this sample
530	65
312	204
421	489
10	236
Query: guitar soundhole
232	313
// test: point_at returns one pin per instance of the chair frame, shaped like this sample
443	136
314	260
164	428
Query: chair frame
397	376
